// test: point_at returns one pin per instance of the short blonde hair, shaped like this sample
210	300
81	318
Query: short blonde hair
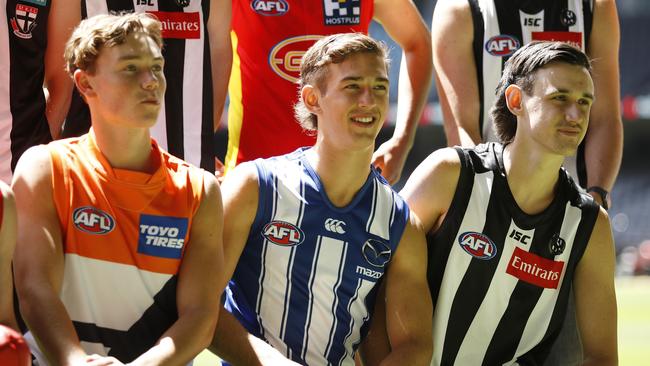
333	49
99	31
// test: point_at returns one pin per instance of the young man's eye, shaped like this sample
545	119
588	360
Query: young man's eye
157	68
352	86
381	87
130	68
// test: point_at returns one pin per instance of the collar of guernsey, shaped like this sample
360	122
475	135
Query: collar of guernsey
121	181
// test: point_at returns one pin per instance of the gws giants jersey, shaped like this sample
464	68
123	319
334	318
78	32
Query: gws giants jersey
503	26
124	235
306	281
500	278
269	39
185	123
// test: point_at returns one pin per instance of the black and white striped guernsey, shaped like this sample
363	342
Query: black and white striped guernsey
185	123
500	278
502	26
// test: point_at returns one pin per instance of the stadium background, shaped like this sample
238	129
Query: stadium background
630	212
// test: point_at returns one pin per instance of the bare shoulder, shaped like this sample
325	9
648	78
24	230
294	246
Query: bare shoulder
243	179
457	11
35	165
443	165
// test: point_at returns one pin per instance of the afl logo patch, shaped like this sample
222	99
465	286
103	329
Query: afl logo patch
477	245
270	8
92	220
376	253
501	45
283	233
285	57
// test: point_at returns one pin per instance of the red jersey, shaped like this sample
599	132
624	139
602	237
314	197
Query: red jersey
269	39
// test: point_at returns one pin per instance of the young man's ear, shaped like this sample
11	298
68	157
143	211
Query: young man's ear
513	99
83	83
310	96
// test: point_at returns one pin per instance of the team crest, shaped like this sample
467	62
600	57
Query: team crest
342	12
556	245
182	3
24	22
568	18
376	253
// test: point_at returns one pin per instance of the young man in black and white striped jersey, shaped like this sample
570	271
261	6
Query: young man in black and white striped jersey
509	230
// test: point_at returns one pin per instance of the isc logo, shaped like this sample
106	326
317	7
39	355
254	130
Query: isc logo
501	45
283	233
92	220
477	245
285	57
272	8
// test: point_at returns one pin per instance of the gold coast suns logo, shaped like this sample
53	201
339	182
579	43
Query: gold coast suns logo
285	57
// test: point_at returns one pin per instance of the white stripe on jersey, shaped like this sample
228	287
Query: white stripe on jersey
5	106
382	210
193	91
540	317
327	278
475	216
96	7
358	310
94	304
490	63
290	209
485	322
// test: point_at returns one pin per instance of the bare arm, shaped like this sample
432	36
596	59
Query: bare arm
38	260
63	17
604	140
595	296
402	21
408	301
452	33
221	62
231	341
7	245
201	280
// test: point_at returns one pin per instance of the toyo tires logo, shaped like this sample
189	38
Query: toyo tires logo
285	57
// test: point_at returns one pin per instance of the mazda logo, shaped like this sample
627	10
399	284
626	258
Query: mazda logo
377	253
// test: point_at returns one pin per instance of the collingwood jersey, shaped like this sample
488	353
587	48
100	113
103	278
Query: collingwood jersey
306	281
185	123
23	40
502	26
500	278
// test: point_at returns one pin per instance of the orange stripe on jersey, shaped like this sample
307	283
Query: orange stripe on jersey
123	217
235	108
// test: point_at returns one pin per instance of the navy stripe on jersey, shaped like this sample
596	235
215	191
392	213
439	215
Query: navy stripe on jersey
313	298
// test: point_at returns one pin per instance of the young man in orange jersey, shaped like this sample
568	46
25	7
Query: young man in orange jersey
121	255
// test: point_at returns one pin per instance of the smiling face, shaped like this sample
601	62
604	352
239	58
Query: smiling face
352	101
127	85
555	114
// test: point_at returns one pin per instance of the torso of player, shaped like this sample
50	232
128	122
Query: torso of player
124	234
269	40
503	26
500	278
310	270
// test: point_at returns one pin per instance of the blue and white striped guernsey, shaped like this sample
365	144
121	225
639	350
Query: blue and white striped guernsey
306	281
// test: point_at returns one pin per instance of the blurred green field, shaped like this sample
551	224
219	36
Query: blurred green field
633	297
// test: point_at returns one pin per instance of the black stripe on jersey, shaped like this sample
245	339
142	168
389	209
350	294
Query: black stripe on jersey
143	334
508	19
29	125
553	15
479	33
437	253
478	276
208	144
174	54
506	336
587	13
585	227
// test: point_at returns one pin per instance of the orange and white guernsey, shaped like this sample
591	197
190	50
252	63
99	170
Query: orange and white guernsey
124	234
